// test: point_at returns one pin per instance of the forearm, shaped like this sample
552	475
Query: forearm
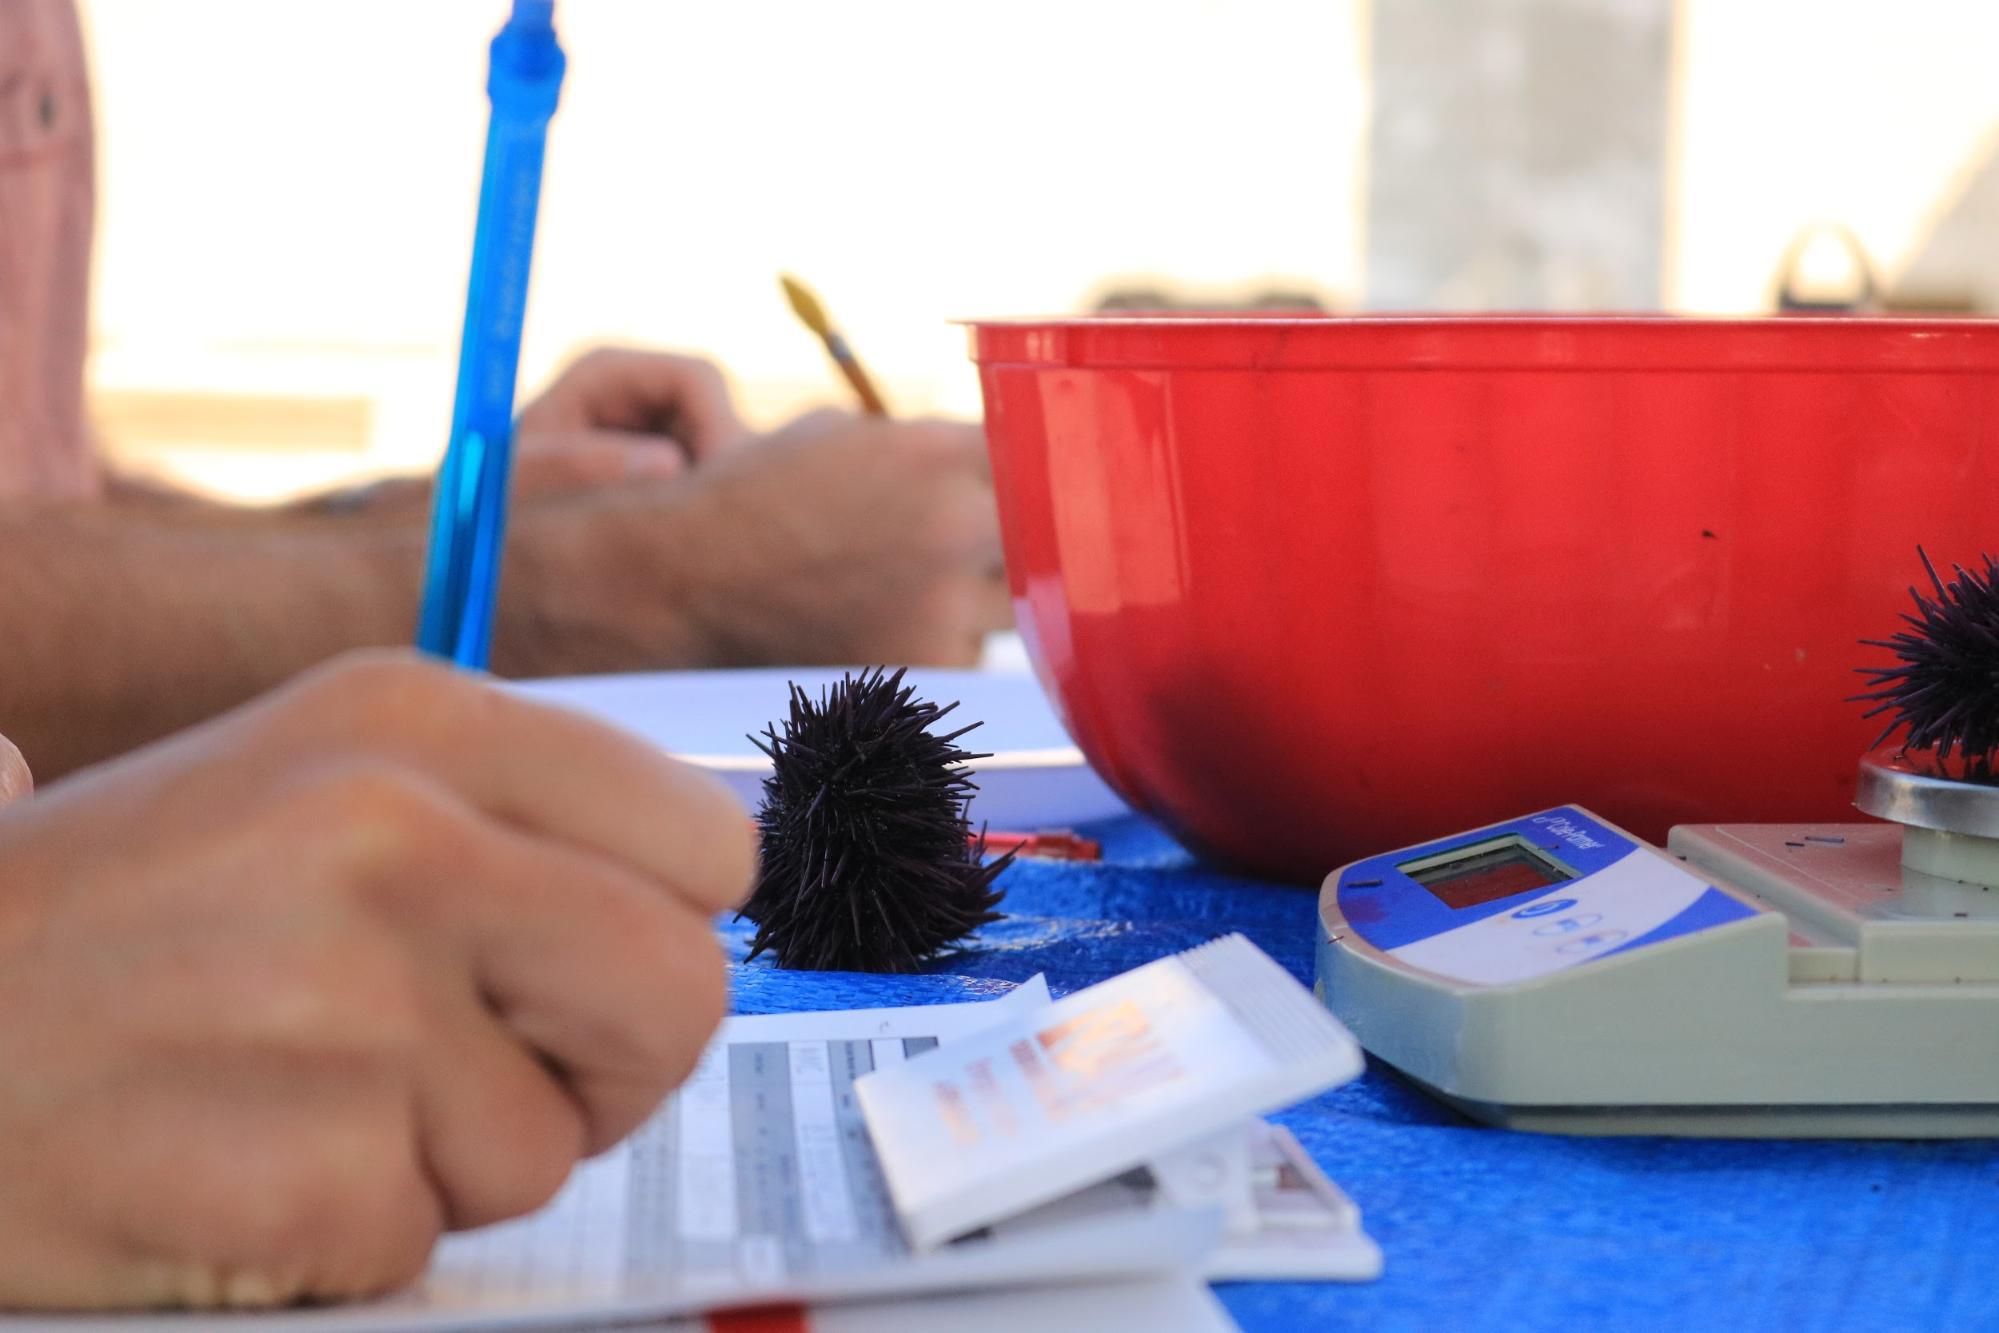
397	498
118	626
125	620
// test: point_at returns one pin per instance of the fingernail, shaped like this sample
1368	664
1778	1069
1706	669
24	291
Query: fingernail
15	779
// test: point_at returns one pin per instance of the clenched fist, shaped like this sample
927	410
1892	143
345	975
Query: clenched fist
381	954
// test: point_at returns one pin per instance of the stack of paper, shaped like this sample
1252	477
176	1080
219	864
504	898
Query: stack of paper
1052	1155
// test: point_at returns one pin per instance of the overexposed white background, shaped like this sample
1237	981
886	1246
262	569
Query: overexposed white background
287	189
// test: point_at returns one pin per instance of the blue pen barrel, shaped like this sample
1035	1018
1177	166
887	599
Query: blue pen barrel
468	518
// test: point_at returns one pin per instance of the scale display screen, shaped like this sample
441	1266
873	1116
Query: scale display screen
1472	876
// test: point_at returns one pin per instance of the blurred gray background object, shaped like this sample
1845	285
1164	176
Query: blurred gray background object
1518	154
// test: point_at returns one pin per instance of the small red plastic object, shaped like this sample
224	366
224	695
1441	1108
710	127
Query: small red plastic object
1309	588
1043	844
1046	845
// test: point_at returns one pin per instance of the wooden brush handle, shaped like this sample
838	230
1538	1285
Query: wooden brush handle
857	375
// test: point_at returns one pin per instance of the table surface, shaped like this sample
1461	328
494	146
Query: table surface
1484	1228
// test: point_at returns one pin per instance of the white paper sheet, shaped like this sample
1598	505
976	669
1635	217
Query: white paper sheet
707	1204
1035	777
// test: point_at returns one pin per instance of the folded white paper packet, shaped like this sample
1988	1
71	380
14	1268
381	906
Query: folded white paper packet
1151	1080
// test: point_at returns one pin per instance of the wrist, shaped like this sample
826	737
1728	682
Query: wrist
598	583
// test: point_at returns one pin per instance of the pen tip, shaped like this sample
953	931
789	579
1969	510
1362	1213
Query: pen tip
804	304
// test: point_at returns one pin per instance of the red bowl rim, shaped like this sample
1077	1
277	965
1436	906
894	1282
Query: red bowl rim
1503	341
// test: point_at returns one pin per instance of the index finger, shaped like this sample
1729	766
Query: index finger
533	765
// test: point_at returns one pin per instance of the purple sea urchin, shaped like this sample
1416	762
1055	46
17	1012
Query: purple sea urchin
1944	689
868	862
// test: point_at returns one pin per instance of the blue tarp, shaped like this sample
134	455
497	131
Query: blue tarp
1483	1228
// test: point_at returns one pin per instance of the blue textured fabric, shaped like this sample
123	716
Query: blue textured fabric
1488	1229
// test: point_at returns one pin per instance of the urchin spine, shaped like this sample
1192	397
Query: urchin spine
1944	689
868	861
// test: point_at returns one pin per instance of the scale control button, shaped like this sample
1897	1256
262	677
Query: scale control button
1544	907
1569	923
1595	940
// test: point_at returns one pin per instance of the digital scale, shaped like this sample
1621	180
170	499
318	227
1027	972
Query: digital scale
1555	973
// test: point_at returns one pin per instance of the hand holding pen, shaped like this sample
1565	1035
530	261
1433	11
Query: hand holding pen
822	542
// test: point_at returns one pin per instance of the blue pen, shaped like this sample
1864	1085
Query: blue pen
468	517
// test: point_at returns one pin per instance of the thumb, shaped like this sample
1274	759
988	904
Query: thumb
579	460
15	780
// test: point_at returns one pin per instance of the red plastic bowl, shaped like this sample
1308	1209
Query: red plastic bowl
1308	589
